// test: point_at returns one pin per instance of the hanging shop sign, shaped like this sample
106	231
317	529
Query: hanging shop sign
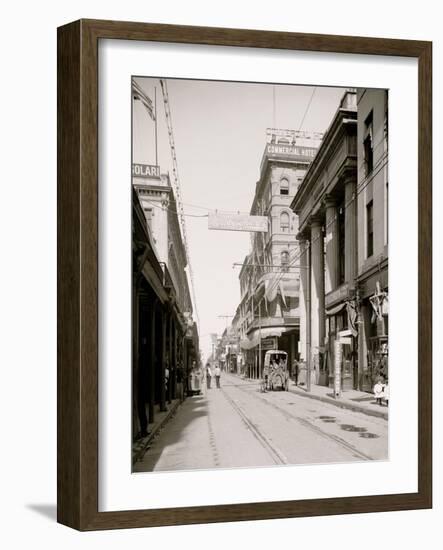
237	222
268	343
145	171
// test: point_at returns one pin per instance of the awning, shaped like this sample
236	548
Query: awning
246	344
267	332
284	287
336	309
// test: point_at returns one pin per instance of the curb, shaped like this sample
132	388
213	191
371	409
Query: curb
142	444
341	404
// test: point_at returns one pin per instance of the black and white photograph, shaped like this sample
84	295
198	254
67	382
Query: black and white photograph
260	296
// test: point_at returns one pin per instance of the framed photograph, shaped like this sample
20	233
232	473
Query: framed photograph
244	275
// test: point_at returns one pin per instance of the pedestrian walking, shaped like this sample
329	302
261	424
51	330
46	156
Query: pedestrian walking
265	377
166	378
208	376
378	391
386	392
296	367
217	373
179	379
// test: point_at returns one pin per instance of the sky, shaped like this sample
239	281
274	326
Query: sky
220	135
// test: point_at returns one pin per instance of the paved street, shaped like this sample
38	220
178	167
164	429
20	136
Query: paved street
237	426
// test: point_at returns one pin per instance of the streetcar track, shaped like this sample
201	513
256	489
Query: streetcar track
277	456
307	424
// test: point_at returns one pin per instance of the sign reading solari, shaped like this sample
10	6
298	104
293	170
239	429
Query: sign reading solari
237	222
145	171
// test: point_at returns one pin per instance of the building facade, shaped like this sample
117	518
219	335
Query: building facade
373	234
326	207
342	208
269	279
149	311
165	335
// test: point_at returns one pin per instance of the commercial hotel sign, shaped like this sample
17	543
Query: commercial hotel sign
296	150
237	222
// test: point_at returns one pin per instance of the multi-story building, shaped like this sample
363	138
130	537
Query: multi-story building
174	327
327	216
158	203
373	234
342	206
269	278
149	304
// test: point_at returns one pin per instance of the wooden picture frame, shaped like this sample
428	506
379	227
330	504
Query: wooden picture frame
78	274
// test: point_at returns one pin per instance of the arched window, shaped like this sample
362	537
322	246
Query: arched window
284	186
284	222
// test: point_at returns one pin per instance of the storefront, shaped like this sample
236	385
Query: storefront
340	325
374	328
375	337
258	343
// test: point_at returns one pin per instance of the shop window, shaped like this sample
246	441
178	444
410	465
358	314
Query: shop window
368	145
386	324
148	216
284	222
370	228
284	186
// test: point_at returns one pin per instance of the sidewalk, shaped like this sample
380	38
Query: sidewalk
354	400
358	401
140	446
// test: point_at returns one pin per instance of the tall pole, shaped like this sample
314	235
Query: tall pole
252	355
155	124
308	320
259	339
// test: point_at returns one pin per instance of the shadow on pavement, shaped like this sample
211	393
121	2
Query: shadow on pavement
193	407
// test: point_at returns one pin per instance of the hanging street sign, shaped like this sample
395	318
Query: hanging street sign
268	343
237	222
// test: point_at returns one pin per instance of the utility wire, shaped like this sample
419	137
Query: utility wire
307	109
175	211
176	184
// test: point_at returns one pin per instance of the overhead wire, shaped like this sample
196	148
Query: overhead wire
307	109
175	211
176	185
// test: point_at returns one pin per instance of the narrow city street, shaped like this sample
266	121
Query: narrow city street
282	275
238	426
